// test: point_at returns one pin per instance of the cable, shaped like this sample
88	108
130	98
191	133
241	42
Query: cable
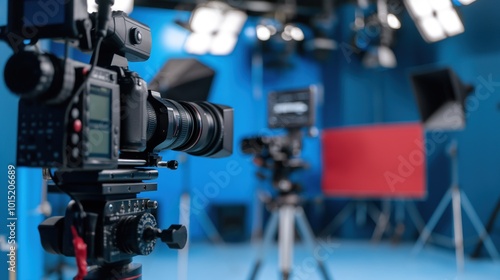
58	186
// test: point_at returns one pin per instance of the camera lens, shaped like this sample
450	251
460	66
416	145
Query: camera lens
41	77
198	128
206	132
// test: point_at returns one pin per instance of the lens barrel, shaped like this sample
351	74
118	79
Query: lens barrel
41	77
197	128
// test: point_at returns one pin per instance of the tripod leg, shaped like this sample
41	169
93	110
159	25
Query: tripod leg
308	236
339	219
457	228
209	227
426	232
489	227
415	216
270	231
383	221
286	239
476	222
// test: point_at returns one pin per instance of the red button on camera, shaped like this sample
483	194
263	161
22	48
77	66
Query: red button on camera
77	125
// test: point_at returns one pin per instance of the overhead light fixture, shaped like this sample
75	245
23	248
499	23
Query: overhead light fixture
463	2
393	21
375	47
290	32
215	27
436	19
380	57
120	5
263	32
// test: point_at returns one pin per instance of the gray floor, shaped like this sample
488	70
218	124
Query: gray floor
345	260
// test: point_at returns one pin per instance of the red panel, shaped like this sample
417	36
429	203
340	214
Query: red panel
382	161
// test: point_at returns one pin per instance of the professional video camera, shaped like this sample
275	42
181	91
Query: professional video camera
292	110
100	127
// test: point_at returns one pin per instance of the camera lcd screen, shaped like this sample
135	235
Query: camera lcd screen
100	105
36	13
99	121
291	109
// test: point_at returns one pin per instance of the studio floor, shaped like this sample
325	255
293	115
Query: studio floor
345	260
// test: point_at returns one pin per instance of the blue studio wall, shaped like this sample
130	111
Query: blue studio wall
360	96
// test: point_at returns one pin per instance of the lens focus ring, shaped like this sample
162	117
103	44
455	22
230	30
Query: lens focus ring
28	74
183	125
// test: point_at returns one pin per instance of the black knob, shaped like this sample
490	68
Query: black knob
172	164
133	234
175	236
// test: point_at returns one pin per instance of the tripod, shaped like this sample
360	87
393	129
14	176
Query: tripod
286	211
459	200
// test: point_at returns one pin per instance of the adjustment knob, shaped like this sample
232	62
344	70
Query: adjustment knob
175	236
132	234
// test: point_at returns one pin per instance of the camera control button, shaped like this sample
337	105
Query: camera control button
135	36
75	113
75	139
75	152
77	125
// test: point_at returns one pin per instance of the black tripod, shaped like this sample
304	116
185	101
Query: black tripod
116	224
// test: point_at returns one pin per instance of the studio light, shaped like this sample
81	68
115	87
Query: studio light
278	41
120	5
266	30
393	21
215	27
374	37
436	19
380	57
263	32
463	2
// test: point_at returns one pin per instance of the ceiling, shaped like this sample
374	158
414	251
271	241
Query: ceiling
307	8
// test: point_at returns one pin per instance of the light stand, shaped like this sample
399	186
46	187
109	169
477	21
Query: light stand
458	200
441	97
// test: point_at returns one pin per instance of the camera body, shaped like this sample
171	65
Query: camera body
74	116
80	132
292	110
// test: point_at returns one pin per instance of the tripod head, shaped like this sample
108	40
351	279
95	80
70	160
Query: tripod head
116	224
278	154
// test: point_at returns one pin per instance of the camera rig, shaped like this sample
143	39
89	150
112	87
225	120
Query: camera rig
102	130
292	110
279	154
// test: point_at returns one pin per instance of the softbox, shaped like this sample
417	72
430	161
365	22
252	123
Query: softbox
184	79
441	98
